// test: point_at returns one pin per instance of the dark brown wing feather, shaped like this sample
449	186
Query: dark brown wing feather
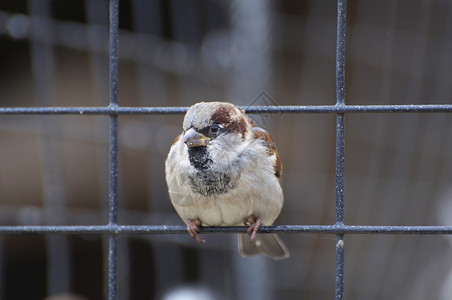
267	140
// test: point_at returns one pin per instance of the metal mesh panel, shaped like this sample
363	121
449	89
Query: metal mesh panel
45	33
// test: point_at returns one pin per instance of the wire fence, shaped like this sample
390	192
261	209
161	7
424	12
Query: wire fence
113	230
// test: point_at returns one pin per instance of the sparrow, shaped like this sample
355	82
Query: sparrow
223	170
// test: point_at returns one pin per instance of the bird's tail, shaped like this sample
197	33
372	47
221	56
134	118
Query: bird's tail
269	244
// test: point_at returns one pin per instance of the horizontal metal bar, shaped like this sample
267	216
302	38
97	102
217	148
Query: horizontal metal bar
98	110
174	229
118	110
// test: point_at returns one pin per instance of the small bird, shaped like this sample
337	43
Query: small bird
223	170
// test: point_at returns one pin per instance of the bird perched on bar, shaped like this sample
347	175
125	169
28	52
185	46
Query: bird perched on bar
223	170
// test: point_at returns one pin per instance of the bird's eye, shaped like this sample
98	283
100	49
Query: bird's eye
215	128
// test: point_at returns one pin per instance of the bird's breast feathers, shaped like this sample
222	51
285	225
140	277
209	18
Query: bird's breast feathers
243	187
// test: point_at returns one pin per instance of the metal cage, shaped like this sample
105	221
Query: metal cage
113	230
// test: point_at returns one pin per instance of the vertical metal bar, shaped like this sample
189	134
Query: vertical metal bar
340	53
113	187
2	269
114	47
340	145
340	148
97	12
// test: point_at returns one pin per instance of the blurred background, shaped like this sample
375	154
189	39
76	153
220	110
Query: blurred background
54	169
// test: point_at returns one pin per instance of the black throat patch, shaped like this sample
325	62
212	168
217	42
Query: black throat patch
199	158
205	180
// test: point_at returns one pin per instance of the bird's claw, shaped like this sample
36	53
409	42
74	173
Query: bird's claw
254	223
193	227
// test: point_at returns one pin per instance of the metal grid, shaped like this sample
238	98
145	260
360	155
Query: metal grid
113	229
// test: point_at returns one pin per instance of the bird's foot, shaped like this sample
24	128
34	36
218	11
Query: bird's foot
193	227
254	223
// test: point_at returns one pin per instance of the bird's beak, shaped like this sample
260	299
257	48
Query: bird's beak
192	138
